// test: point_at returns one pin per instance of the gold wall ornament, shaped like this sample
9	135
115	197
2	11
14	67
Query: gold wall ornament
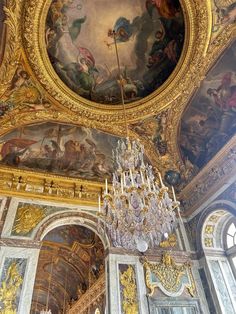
27	218
197	38
169	277
9	289
12	52
129	291
170	242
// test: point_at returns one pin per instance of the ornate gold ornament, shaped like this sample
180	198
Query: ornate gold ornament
9	289
197	21
27	218
169	276
12	52
170	242
29	184
129	293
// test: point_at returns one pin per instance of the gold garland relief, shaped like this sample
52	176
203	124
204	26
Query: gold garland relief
27	218
168	273
130	300
9	289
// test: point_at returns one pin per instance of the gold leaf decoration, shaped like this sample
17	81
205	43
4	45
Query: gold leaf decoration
27	218
9	289
130	301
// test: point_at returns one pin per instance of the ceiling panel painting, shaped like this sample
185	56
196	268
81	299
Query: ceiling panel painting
61	149
210	119
149	35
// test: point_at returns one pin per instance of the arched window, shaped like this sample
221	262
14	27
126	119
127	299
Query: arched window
219	245
229	234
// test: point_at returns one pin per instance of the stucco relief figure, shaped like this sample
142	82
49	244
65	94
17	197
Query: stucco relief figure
27	218
150	36
226	11
22	94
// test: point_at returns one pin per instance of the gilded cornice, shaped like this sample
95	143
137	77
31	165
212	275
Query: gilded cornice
198	22
29	184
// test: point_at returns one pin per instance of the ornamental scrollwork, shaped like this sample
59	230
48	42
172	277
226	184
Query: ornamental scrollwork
12	52
129	291
9	289
27	218
168	276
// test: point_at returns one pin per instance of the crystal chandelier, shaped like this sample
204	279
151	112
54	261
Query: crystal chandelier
137	212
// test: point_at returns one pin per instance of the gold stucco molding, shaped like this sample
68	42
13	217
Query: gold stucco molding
12	52
198	22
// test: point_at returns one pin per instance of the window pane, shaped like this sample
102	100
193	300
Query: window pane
230	278
234	261
221	287
230	241
232	229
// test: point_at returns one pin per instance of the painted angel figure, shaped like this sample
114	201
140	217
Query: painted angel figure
224	95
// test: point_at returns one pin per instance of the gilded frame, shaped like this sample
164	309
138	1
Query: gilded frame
197	35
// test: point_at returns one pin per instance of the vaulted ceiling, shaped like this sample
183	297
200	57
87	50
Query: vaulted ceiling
61	114
60	110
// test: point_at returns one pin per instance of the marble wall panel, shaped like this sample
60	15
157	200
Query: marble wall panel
24	217
17	275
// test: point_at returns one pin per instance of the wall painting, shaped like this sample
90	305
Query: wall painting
58	148
210	119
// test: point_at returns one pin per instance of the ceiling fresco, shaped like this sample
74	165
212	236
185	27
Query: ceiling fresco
150	31
149	35
59	148
74	256
210	119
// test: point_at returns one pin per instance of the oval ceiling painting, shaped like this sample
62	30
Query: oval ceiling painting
81	36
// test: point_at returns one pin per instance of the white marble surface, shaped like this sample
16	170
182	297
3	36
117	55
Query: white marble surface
6	233
199	287
3	200
28	283
114	282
